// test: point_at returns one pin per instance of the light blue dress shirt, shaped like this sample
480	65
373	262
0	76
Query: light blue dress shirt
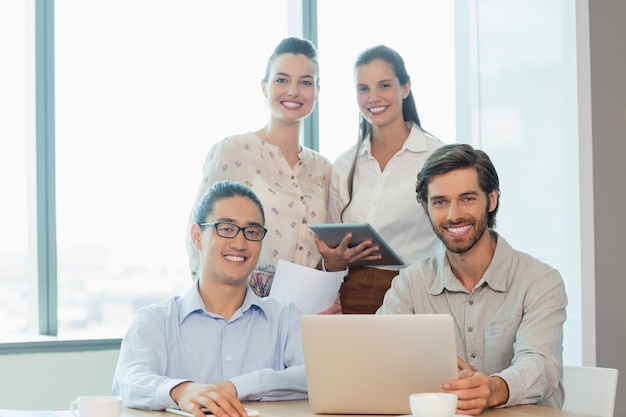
259	350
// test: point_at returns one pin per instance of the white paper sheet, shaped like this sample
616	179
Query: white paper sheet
311	290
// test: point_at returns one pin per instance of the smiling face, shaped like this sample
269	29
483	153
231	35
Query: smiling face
458	207
224	260
291	88
379	93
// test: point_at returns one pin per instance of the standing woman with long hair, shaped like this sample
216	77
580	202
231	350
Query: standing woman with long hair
290	180
374	181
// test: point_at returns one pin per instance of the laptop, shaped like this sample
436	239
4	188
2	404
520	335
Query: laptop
369	364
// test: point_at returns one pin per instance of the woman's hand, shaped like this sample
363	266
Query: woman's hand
339	258
334	309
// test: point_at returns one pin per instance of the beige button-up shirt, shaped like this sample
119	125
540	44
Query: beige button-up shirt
509	325
291	198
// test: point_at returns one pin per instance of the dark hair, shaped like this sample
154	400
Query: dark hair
293	46
219	191
409	110
459	156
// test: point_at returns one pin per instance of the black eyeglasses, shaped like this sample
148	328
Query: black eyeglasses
230	230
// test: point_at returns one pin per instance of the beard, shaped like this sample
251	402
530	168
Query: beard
466	243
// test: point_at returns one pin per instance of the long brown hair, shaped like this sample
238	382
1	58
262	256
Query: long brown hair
409	110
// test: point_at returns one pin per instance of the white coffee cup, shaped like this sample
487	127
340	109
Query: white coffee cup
432	404
97	406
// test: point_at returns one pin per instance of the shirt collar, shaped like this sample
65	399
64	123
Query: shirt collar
415	142
191	303
495	276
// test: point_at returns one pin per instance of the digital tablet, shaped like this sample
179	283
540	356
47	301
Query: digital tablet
333	233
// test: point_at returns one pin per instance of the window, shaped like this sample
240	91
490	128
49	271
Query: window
527	121
408	26
494	74
16	308
144	88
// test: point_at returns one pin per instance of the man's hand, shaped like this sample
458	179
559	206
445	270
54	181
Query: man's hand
462	365
476	391
220	399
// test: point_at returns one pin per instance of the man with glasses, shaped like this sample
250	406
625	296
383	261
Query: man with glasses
219	343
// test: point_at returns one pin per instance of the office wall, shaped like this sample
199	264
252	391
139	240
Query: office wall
608	101
50	381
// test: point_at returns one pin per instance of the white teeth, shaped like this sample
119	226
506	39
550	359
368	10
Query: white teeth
234	258
377	109
458	230
291	104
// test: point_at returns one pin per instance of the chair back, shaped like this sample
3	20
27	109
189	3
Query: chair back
590	390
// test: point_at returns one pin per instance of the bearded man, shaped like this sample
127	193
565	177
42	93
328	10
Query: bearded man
509	308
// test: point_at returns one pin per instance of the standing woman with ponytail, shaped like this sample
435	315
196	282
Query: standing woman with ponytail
290	180
374	181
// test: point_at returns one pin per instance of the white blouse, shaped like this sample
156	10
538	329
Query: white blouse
387	199
291	198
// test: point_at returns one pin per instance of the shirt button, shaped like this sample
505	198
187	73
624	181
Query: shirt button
229	358
473	356
300	248
292	177
304	221
471	302
470	329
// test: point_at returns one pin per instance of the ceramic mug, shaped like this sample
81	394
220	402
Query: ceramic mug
97	406
433	404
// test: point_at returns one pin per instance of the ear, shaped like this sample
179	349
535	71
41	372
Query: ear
406	89
196	236
264	88
493	200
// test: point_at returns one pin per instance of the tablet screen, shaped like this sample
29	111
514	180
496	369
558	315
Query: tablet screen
333	233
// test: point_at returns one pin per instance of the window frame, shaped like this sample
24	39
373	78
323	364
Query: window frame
42	261
302	14
43	142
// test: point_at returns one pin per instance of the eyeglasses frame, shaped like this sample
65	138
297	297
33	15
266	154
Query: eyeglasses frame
239	229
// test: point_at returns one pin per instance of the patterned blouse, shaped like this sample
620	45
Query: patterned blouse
291	198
